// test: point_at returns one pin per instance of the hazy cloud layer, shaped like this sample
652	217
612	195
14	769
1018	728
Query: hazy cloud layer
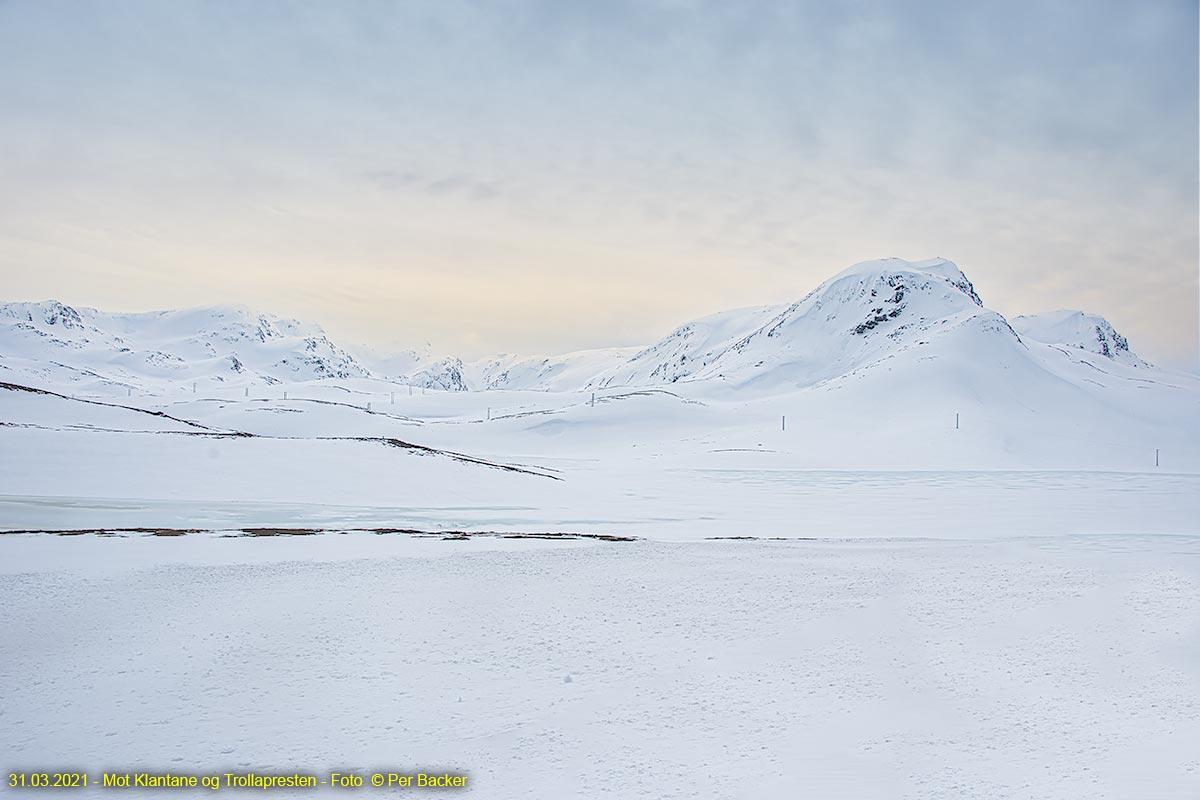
538	176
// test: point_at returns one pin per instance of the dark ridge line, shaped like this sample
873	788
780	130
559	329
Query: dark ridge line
1075	357
520	414
209	433
258	532
553	411
400	417
648	392
390	442
16	387
217	433
89	373
463	457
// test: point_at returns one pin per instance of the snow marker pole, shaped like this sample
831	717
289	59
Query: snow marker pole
955	420
783	423
1156	456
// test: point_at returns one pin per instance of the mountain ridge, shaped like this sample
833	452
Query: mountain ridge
868	312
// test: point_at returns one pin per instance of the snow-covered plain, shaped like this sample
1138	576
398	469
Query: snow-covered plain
1058	667
984	584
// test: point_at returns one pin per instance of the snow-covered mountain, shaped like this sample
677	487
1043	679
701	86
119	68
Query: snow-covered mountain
871	313
446	374
867	312
1076	329
60	345
548	373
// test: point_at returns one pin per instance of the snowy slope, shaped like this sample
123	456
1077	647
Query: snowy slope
566	372
1089	332
447	374
56	344
868	312
687	350
53	345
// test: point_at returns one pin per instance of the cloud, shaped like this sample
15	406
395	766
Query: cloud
408	180
684	155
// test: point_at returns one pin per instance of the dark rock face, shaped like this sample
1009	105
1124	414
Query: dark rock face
1111	342
966	287
59	314
447	375
879	314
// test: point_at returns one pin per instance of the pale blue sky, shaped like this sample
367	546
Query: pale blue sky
543	176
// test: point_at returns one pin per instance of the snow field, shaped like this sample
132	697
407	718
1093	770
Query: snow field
1060	667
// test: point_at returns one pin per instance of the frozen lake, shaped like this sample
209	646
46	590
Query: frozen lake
667	502
1056	667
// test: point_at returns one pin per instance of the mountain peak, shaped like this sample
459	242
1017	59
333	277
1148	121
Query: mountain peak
941	268
867	312
215	344
1080	330
48	312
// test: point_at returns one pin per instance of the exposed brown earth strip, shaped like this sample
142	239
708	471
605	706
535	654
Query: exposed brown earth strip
111	531
264	532
280	531
762	538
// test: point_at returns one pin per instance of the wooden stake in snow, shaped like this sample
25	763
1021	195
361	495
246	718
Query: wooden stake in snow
955	420
489	412
247	391
393	398
783	423
593	399
1156	456
285	395
193	388
368	407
